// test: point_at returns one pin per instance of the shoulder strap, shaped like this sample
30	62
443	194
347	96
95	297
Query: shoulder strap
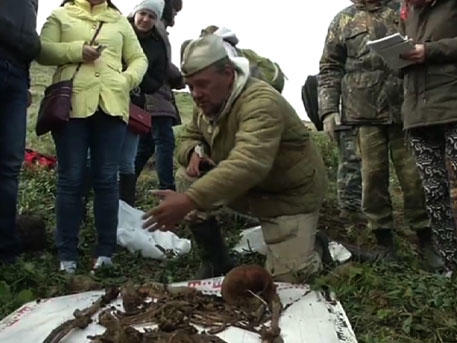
91	42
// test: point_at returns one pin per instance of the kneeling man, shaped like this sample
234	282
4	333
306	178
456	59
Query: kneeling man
261	162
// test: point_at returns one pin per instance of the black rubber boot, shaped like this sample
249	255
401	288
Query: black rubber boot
214	254
127	185
385	238
321	247
427	250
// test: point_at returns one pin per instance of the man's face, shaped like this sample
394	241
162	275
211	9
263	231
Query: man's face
210	88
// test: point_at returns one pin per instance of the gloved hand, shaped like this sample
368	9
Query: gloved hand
330	125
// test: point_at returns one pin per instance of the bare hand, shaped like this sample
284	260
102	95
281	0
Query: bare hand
90	53
417	55
193	168
172	209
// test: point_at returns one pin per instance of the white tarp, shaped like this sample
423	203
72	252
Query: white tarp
131	235
309	317
252	241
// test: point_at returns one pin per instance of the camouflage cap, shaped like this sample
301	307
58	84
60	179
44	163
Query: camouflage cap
202	53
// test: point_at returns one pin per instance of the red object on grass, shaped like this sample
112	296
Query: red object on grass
33	158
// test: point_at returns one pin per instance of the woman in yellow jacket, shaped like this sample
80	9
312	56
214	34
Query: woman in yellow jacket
100	103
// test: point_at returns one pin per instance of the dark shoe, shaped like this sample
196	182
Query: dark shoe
385	239
127	185
321	247
214	254
427	250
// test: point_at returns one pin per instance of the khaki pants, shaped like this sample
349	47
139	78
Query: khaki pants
290	247
289	239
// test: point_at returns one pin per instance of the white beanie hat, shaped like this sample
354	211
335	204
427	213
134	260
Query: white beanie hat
155	6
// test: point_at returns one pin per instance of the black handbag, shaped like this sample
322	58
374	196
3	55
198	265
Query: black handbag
55	107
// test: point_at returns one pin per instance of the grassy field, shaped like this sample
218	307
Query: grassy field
386	303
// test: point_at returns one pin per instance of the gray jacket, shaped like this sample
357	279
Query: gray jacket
19	42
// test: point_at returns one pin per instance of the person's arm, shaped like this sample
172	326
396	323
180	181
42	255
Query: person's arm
441	51
332	69
53	50
251	159
133	56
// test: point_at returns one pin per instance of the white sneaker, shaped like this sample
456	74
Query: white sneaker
102	261
68	266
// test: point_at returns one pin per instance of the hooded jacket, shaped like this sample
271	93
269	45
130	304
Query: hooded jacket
267	165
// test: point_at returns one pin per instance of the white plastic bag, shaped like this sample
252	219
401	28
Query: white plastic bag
132	236
252	241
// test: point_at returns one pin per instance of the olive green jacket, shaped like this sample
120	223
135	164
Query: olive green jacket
430	88
267	166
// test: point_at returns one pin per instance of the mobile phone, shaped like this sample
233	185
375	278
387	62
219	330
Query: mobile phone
100	48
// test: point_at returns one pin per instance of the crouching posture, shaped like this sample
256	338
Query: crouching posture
264	165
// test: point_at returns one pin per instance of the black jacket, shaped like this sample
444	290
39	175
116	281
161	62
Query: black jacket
19	42
156	94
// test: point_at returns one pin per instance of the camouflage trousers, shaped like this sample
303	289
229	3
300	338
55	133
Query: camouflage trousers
290	239
349	177
376	143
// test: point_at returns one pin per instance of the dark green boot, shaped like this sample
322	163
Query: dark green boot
385	239
214	254
432	259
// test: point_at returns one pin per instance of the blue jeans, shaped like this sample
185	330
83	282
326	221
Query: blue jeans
128	154
161	140
103	135
13	108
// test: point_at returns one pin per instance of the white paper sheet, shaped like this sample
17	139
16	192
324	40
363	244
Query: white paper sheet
310	318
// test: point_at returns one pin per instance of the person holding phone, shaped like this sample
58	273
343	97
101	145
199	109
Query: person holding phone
100	111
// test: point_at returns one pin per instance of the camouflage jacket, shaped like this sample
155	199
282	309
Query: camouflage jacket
370	92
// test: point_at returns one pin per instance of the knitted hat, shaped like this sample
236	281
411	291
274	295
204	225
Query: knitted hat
155	6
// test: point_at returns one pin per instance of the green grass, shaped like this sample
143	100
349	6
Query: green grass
396	303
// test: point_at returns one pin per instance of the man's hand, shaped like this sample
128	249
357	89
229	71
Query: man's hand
417	55
330	125
193	168
172	209
90	53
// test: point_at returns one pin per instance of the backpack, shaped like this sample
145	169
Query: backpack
309	97
264	69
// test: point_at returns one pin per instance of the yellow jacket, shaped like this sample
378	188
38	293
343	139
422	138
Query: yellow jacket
102	83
